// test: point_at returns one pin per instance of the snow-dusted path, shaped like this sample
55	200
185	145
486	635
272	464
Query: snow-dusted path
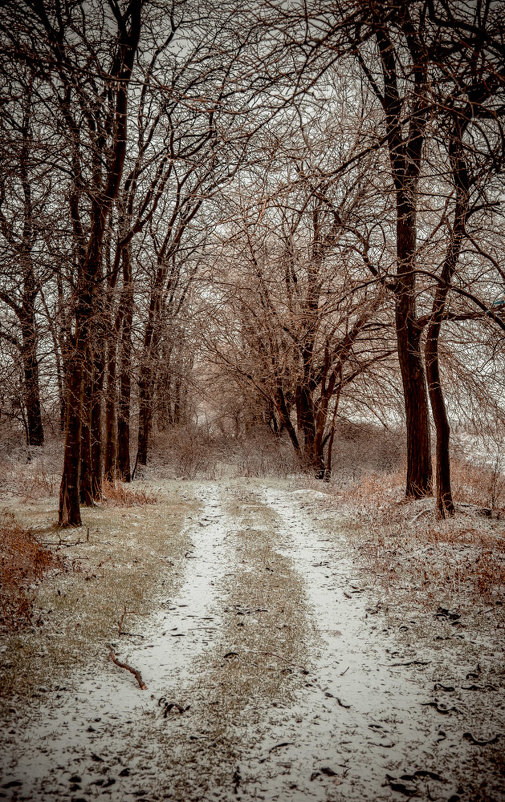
272	674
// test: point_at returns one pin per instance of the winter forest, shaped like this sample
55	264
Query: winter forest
252	408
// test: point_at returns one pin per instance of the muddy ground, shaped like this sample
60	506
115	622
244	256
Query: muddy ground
277	665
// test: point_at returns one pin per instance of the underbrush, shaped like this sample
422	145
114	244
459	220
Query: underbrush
23	564
117	494
199	453
407	548
482	485
31	473
30	481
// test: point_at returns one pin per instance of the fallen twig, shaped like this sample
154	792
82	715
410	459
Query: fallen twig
419	514
273	748
136	674
61	543
341	704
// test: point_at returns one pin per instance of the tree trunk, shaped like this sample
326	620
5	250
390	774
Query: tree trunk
408	332
109	466
145	413
408	335
445	504
69	512
86	472
123	412
405	155
329	453
62	402
60	334
312	455
35	429
103	195
147	374
96	423
285	420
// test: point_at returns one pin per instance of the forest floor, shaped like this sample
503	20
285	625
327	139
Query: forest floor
289	652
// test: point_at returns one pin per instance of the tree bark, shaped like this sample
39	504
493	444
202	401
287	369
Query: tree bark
86	474
285	419
147	373
31	381
445	504
405	154
96	422
90	260
24	309
123	417
408	334
109	464
145	413
69	510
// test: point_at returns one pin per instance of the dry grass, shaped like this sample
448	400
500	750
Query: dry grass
407	548
197	453
124	557
30	482
117	494
481	485
23	564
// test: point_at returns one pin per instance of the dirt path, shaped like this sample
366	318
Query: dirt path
273	674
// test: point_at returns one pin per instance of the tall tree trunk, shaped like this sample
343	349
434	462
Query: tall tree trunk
125	321
60	334
405	154
145	413
86	471
147	373
62	398
445	504
61	379
329	453
285	419
31	382
26	314
69	511
408	333
109	465
123	417
96	422
104	193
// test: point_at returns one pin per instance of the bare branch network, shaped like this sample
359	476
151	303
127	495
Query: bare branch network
276	215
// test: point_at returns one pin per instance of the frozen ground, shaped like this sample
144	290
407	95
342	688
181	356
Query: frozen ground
275	671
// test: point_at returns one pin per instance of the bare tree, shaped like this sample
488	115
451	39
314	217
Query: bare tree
23	194
92	104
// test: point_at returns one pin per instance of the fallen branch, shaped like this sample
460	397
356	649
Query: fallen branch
419	514
136	674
